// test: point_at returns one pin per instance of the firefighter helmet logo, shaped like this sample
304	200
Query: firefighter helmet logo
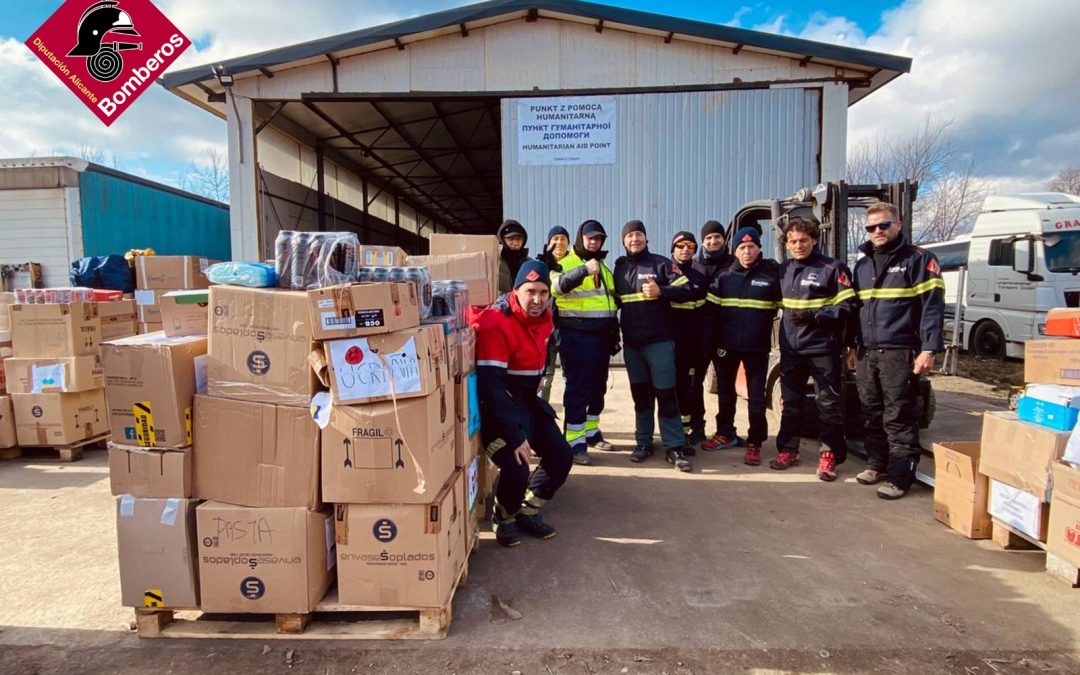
101	21
932	267
842	279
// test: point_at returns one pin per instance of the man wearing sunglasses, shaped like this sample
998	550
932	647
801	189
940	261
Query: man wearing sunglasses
901	316
687	321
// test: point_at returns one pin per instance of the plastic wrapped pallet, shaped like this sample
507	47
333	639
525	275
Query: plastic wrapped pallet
306	260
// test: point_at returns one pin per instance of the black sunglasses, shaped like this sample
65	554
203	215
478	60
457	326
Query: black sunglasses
883	225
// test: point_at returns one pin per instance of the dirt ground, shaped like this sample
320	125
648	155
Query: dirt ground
727	569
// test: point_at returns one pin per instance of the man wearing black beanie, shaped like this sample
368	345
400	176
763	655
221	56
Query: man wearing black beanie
513	238
687	318
712	259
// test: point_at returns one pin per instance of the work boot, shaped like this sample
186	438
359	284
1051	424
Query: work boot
719	442
688	449
890	491
506	533
753	455
785	459
598	443
675	456
534	525
640	454
870	476
582	458
826	467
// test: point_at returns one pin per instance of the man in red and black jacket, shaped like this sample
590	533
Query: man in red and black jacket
818	303
749	295
511	347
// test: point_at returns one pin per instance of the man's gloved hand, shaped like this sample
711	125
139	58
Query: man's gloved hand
802	317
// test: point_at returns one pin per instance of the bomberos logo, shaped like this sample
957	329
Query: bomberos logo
108	52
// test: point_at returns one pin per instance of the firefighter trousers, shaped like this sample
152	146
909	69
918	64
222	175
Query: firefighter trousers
889	394
795	370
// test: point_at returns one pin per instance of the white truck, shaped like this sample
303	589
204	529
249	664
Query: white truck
1022	259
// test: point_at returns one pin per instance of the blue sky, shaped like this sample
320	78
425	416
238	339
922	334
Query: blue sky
995	68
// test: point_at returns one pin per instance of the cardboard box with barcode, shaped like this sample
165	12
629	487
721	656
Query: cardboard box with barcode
255	454
259	344
960	491
8	437
171	272
273	560
356	310
1019	509
402	555
185	312
1052	361
389	452
150	381
59	419
58	374
406	364
1063	535
472	268
488	244
381	256
55	329
156	542
1020	453
149	472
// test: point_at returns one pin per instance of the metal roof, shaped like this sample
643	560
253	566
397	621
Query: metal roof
796	47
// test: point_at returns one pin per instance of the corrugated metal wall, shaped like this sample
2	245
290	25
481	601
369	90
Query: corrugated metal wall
118	215
682	159
34	228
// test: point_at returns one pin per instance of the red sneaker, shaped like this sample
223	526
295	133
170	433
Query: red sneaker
753	455
826	468
785	460
719	442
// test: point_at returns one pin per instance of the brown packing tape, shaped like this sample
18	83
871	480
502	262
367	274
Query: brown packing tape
341	524
317	360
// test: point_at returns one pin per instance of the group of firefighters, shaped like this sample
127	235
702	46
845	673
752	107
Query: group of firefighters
673	317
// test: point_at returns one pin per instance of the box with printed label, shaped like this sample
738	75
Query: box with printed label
59	419
163	272
156	542
451	244
255	454
960	491
381	256
1063	536
1051	405
148	304
356	310
66	374
1020	453
148	472
8	438
389	452
1052	361
273	560
150	381
471	268
405	364
185	312
474	502
260	340
55	329
402	555
1020	510
115	327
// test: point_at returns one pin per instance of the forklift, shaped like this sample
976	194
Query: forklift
829	204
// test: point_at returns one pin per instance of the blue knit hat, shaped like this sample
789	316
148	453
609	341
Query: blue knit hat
533	270
744	235
558	229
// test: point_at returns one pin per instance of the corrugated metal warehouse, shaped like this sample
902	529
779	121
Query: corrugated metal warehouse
547	112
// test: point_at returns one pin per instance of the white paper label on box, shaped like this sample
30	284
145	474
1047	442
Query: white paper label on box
331	556
47	377
200	373
1016	508
168	514
145	297
321	405
326	303
360	373
331	321
127	506
473	481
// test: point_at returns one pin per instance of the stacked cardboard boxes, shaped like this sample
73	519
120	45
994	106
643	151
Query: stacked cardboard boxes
7	416
157	275
118	319
55	374
473	259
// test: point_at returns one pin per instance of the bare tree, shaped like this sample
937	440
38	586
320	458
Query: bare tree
1068	181
209	179
951	207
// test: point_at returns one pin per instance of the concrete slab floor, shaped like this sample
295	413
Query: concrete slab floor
727	569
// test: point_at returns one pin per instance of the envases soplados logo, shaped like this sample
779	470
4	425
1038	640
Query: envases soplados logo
108	52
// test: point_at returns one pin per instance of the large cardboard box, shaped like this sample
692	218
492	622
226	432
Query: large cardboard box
65	373
406	364
472	268
156	541
114	328
259	345
148	304
117	309
1019	509
277	560
163	272
255	454
185	312
55	329
402	555
60	419
1052	361
150	381
1063	535
385	453
355	310
1020	453
960	491
8	438
488	244
148	472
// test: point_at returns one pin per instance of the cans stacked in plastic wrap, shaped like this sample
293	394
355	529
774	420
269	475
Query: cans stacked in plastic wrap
305	260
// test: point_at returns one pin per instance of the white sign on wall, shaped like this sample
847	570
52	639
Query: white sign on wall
569	131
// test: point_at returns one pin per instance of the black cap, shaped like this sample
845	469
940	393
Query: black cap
511	227
593	228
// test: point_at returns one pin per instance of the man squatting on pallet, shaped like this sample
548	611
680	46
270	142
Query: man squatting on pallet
511	349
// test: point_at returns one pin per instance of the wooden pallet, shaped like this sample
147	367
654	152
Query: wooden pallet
1011	539
57	453
1063	569
331	620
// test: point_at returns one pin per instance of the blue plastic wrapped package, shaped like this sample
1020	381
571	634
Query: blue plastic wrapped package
110	272
252	275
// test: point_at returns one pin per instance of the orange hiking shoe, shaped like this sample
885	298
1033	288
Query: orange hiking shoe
785	460
753	455
826	468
